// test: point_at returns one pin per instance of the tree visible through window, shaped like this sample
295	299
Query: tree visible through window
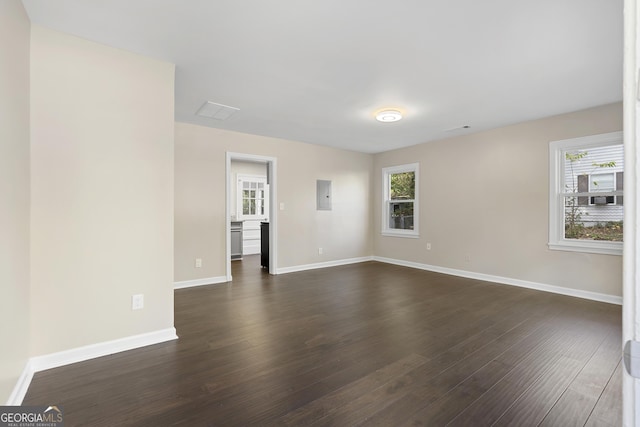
586	203
597	213
403	187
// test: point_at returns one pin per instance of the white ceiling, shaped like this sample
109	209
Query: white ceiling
317	70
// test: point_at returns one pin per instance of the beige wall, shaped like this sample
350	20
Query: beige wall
14	194
485	195
102	132
344	232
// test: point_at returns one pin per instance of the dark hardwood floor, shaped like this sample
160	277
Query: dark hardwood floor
365	344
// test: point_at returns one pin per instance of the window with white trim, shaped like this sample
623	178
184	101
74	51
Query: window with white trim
400	200
253	203
586	203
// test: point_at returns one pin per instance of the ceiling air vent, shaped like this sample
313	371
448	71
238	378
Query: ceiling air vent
458	128
212	110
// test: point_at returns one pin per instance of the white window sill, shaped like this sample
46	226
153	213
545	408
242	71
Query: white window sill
411	235
604	248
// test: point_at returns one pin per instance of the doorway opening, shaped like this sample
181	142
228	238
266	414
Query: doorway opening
251	219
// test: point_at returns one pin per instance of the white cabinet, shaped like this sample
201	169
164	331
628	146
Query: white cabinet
251	237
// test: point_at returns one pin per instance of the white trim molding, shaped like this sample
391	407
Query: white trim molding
80	354
327	264
557	194
22	386
594	296
413	233
199	282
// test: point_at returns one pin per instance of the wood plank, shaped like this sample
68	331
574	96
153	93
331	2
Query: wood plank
530	363
533	405
522	365
324	406
577	402
607	411
440	374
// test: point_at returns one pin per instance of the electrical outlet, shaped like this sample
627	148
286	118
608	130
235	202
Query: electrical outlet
198	262
320	251
428	246
467	258
137	302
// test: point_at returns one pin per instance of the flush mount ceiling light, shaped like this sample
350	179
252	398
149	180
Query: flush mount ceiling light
388	116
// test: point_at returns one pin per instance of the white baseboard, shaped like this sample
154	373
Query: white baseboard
595	296
21	387
80	354
335	263
199	282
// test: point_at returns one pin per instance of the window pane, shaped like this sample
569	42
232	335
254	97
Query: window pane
403	186
602	182
581	165
245	206
586	222
401	215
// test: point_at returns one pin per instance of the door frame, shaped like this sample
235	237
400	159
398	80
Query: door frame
271	163
631	264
